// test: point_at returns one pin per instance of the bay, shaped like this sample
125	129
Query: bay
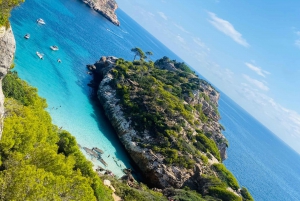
259	160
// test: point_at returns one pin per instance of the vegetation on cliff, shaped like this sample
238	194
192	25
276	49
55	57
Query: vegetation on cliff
38	160
174	115
156	100
140	192
5	7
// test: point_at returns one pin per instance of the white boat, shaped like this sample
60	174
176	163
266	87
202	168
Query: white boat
40	55
40	21
27	36
54	47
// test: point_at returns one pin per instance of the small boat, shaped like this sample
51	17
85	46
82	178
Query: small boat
27	36
40	21
54	47
96	149
58	60
40	55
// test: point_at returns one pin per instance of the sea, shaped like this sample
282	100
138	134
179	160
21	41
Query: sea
260	161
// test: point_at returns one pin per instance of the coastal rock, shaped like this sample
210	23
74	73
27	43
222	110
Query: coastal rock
106	8
7	51
152	164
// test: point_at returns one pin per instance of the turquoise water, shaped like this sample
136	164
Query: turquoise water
82	36
261	162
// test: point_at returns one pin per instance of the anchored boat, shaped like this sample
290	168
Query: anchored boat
54	47
40	55
27	36
40	21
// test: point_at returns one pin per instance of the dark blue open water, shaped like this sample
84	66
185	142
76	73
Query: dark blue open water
261	162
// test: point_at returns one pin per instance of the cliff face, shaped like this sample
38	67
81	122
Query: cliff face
7	51
152	163
106	8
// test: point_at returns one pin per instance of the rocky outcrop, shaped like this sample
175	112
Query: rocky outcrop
7	51
152	164
106	8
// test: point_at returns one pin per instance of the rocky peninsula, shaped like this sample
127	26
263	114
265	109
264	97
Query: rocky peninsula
167	119
106	8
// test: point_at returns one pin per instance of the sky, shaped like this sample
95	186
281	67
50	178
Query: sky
250	50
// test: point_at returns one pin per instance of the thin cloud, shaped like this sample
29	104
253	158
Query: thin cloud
228	29
281	120
200	43
180	39
181	28
258	70
297	43
163	15
151	14
256	83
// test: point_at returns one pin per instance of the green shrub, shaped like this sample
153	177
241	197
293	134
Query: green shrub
186	195
5	7
211	181
246	195
223	194
139	192
15	88
226	176
209	144
204	159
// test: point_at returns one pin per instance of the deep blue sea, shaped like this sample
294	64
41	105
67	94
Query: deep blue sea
259	160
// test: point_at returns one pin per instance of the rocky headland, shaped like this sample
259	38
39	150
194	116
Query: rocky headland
167	119
7	51
106	8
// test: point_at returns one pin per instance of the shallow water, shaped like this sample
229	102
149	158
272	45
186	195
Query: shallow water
82	36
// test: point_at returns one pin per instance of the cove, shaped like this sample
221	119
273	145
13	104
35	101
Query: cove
82	36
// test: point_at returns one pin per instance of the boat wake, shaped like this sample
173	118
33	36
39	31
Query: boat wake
114	33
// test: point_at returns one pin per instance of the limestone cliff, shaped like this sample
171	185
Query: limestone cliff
190	165
7	51
106	8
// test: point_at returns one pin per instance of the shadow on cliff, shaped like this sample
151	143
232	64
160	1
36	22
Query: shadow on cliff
108	131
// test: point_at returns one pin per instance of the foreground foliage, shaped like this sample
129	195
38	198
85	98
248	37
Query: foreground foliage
140	192
5	7
38	160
